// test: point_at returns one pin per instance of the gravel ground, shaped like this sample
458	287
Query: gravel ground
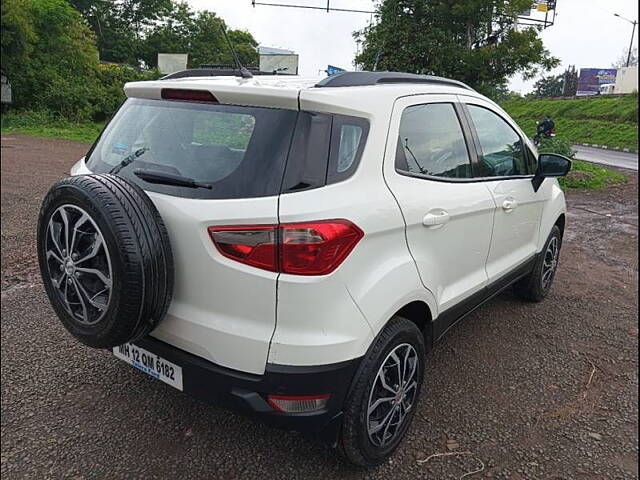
545	391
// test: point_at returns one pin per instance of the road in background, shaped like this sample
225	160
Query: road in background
607	157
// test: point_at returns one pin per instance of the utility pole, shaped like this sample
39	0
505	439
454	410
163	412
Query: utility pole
633	32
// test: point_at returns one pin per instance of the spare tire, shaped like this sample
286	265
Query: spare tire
105	259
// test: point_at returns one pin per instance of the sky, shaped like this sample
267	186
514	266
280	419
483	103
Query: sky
586	32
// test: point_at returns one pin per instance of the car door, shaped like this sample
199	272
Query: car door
448	216
506	168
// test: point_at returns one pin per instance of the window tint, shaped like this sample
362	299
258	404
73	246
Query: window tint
349	141
309	155
502	149
326	148
241	151
532	160
348	137
431	142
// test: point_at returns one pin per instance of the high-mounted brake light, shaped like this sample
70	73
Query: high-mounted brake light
309	248
188	95
298	403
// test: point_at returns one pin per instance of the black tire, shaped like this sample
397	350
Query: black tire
532	287
127	238
356	442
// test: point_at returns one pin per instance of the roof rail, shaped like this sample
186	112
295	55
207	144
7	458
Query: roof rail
357	79
215	72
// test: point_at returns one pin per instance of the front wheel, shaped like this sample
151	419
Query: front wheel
384	395
535	286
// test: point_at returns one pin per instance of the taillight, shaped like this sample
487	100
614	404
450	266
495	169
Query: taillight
188	95
316	248
255	246
310	248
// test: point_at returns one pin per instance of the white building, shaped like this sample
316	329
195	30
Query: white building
626	80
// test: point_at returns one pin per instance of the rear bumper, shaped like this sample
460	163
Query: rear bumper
247	393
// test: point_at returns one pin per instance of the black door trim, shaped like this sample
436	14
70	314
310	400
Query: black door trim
447	319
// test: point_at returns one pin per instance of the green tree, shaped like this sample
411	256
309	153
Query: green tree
475	41
18	37
199	35
135	31
52	61
120	25
549	86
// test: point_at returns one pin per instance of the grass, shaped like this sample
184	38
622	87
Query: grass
43	124
610	121
590	176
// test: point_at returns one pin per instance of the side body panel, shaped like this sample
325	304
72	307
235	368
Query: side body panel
335	317
450	257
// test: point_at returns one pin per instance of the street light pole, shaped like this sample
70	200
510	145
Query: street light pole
633	32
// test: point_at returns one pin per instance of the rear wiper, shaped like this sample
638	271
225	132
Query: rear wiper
155	176
128	159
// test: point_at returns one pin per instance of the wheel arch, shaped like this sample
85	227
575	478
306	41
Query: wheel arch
419	313
554	213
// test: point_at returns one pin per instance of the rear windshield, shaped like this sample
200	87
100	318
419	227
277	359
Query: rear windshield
240	151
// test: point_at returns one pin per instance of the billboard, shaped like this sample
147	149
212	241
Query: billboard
172	62
332	70
279	62
590	79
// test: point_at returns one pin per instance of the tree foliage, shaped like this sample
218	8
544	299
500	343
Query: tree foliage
475	41
135	31
622	59
549	86
55	51
54	62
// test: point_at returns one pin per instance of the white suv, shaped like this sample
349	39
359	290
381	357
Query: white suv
292	247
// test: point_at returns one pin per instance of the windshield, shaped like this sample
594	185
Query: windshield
239	151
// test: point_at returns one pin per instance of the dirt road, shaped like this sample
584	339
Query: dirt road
546	391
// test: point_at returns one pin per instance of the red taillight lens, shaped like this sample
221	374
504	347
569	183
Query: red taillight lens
188	95
298	403
255	245
310	248
316	248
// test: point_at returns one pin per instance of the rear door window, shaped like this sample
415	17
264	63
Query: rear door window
241	151
431	142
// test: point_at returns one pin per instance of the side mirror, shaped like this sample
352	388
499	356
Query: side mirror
550	165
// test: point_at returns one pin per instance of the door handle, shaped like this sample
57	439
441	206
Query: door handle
509	204
436	218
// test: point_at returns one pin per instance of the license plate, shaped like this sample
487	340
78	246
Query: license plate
150	363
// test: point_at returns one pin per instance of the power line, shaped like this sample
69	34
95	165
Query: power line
328	8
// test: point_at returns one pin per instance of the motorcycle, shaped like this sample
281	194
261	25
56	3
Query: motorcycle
542	134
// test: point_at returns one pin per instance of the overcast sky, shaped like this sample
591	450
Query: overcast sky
586	32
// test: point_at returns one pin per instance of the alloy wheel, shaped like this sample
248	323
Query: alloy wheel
393	395
550	262
79	264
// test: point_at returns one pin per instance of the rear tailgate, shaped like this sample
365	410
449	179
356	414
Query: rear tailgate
222	310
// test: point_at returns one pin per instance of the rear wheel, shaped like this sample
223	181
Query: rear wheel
385	394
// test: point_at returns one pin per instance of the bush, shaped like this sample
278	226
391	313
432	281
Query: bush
556	145
109	93
50	56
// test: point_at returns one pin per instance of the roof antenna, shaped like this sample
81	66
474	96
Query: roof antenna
244	73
